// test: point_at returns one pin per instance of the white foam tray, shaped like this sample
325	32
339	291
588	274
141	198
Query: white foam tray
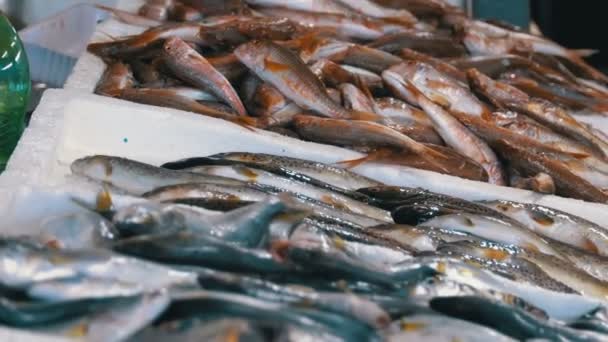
70	124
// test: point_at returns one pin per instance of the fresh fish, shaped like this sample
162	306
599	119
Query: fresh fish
561	306
544	112
332	325
130	18
372	9
149	39
459	137
316	6
193	330
186	248
541	182
191	67
210	8
361	133
354	99
556	224
493	229
349	25
238	192
395	109
342	303
28	314
570	276
77	231
424	42
115	78
523	125
180	12
507	320
566	181
83	287
333	74
246	226
337	177
172	98
133	313
325	256
362	245
288	73
28	264
486	39
136	177
431	326
259	176
438	87
228	65
510	263
438	64
362	56
422	8
494	66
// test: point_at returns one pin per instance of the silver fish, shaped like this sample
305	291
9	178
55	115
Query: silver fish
556	224
250	174
435	327
135	177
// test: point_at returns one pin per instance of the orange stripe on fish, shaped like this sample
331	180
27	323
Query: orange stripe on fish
274	66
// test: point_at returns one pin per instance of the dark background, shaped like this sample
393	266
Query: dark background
576	24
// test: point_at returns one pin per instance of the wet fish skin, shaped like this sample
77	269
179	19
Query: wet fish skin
194	249
37	264
353	26
77	231
193	68
567	183
556	224
136	177
493	229
171	98
238	191
329	324
507	320
424	42
115	78
510	263
342	303
259	176
425	326
544	112
459	137
439	64
338	177
288	73
438	87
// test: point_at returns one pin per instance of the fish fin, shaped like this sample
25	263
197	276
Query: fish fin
531	247
278	249
584	52
246	122
103	202
591	246
377	154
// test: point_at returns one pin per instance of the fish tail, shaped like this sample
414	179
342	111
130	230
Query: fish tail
583	52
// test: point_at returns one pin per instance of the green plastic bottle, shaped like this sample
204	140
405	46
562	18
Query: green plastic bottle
14	89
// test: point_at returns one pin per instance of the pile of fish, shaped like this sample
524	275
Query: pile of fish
256	247
407	82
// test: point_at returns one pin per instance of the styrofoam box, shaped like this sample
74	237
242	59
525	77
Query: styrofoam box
70	124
